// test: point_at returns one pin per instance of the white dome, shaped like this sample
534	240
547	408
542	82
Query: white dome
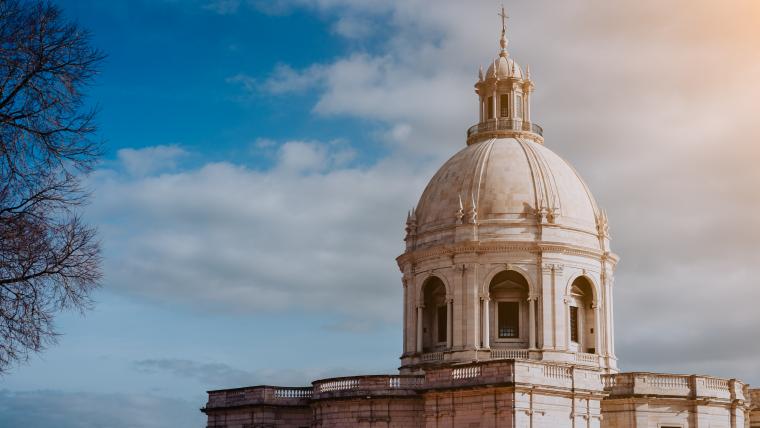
514	184
504	67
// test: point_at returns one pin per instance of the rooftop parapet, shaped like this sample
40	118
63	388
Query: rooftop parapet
671	385
259	395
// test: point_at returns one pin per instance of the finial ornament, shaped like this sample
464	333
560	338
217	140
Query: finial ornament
460	211
473	214
503	42
504	18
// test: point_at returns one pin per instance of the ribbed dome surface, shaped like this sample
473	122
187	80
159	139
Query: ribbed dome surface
504	67
510	181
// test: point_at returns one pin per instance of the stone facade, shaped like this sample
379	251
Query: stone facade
508	284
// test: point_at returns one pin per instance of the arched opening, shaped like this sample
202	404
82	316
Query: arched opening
507	311
581	316
435	322
504	104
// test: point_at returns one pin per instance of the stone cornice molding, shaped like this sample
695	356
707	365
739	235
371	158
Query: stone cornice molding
503	246
527	221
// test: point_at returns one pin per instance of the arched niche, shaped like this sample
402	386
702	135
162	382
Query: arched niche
434	315
581	314
508	310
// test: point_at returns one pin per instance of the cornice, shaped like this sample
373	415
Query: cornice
449	250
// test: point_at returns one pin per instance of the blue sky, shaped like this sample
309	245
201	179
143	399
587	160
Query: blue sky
261	156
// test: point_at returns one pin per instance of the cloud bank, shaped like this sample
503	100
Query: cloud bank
651	101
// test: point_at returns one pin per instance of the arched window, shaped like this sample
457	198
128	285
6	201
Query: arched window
435	316
508	311
504	102
581	316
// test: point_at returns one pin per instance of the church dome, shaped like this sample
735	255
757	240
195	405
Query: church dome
504	67
514	185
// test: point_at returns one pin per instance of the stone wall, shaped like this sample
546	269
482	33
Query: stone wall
639	400
496	393
259	407
755	408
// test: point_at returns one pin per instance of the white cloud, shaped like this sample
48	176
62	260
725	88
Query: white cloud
652	102
353	27
285	79
307	233
150	160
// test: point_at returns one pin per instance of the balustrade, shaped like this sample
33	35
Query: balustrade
585	358
509	353
339	385
557	372
495	125
432	356
293	392
465	372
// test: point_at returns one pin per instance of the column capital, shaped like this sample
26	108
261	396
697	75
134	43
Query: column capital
420	306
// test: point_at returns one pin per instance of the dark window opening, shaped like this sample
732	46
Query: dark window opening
574	324
442	323
509	320
490	108
504	106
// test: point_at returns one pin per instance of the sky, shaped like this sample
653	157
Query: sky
260	158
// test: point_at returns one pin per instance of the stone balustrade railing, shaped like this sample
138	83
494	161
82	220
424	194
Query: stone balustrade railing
514	371
367	385
264	394
693	386
584	358
515	354
493	127
468	372
432	356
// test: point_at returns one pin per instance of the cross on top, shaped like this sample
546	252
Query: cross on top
504	18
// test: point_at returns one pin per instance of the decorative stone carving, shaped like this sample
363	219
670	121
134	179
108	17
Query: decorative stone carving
460	211
473	214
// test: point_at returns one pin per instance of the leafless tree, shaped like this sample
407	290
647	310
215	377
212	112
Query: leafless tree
49	259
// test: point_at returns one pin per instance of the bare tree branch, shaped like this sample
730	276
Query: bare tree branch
49	259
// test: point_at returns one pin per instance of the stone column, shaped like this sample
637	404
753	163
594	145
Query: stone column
610	318
420	309
449	323
553	310
495	107
597	332
486	323
513	103
532	322
406	316
526	107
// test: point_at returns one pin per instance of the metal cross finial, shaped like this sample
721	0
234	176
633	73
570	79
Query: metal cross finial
504	18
